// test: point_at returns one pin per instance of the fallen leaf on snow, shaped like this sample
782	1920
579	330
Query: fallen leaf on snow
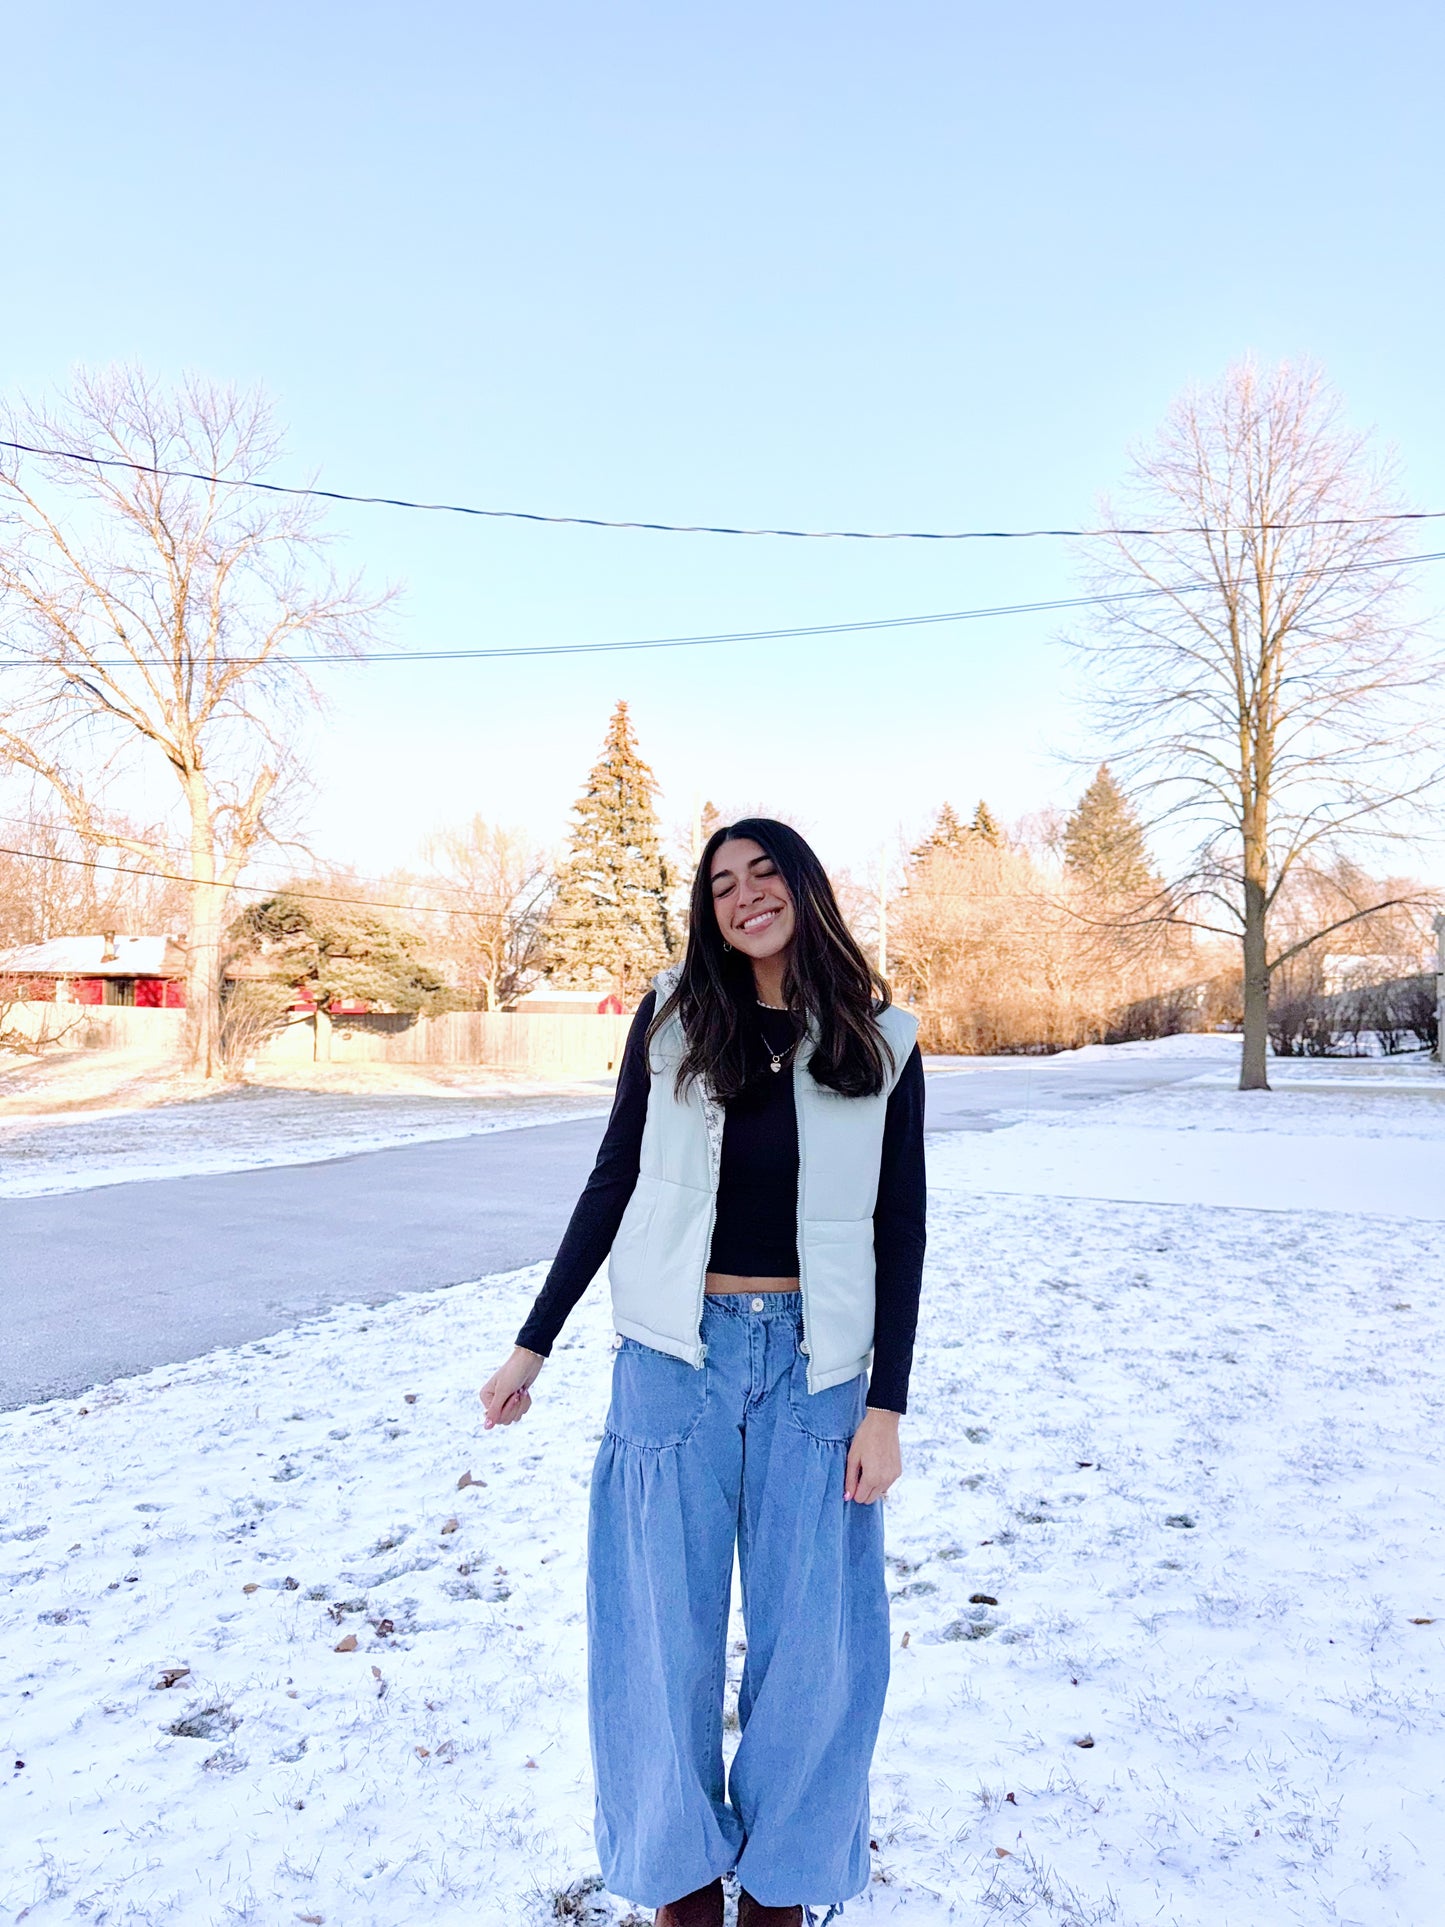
1087	1740
981	1599
170	1676
450	1526
1003	1853
251	1586
423	1753
410	1397
347	1645
1422	1622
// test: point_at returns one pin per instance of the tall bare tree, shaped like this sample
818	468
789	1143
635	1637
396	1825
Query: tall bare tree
61	885
1260	687
497	887
153	627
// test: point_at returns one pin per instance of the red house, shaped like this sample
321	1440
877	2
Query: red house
147	972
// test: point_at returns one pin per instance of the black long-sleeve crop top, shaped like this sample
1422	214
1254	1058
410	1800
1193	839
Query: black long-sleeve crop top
755	1233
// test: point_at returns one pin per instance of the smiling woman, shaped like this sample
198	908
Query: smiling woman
765	1234
766	931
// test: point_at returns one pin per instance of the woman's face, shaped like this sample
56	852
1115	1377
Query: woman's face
753	905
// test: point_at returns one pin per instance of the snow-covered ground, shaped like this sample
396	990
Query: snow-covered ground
1184	1454
249	1126
1344	1135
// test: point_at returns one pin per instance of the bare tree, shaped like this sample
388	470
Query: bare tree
61	885
999	953
1255	683
154	626
497	888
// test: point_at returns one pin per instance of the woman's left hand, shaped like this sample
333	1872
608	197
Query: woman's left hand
874	1460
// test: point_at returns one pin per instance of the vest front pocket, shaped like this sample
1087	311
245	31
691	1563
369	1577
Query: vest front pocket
832	1416
657	1401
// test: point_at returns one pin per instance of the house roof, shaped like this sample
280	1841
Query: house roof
84	957
544	993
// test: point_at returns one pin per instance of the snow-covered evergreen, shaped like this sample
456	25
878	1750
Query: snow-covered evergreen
612	925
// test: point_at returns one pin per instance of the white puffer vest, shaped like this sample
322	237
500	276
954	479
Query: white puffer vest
659	1257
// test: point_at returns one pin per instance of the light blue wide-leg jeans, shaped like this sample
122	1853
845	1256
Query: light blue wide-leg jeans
694	1463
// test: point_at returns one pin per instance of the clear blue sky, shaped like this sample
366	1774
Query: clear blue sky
921	265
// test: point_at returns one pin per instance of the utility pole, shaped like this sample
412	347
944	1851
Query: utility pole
883	913
1439	928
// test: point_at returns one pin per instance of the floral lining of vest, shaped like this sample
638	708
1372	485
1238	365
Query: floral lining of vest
714	1119
714	1116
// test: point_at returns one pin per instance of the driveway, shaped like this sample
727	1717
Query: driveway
98	1284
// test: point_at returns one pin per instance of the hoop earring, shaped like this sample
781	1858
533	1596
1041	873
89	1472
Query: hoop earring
727	946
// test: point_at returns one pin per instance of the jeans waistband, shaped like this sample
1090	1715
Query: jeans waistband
753	1304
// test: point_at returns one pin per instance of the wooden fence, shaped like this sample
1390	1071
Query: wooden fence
95	1026
549	1046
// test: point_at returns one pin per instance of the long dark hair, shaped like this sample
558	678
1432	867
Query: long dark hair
829	985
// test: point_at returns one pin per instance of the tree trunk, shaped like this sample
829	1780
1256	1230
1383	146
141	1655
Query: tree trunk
203	980
322	1052
1253	1072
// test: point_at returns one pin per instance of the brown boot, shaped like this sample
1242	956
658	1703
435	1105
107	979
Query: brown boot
751	1913
701	1909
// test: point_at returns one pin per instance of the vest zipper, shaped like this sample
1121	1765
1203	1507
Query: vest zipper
714	1163
799	1109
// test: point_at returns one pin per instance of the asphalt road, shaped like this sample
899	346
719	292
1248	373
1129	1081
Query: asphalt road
98	1284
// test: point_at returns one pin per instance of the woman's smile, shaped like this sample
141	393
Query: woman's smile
752	903
760	919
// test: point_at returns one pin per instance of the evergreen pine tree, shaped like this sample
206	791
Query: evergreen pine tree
985	824
611	925
709	818
1104	841
947	834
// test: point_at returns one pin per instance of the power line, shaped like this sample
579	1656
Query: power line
250	889
740	635
173	853
702	528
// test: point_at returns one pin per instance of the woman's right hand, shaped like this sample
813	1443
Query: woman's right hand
507	1396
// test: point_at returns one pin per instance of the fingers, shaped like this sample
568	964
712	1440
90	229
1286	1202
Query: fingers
864	1484
503	1404
514	1406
